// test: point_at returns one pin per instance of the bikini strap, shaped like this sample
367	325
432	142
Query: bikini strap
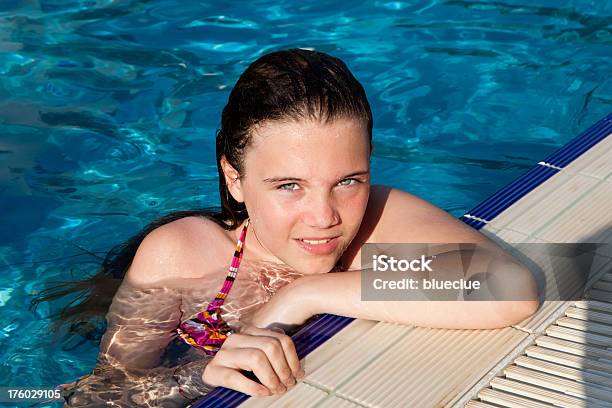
208	330
233	270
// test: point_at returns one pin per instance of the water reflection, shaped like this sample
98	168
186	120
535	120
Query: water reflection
140	351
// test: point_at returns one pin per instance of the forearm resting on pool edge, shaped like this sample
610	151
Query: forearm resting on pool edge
340	294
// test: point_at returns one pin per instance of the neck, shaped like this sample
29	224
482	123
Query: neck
253	250
254	253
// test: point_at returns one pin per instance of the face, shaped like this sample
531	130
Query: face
303	180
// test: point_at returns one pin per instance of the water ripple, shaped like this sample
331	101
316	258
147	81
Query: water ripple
109	112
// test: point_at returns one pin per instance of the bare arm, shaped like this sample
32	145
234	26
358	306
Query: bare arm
410	219
141	323
156	387
340	293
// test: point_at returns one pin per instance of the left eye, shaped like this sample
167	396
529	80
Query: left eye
356	181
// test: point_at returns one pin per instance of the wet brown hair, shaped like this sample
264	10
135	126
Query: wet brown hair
294	84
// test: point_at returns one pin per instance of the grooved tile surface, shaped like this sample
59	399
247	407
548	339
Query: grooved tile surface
504	235
351	334
535	210
357	356
302	395
560	278
594	162
570	364
429	360
590	220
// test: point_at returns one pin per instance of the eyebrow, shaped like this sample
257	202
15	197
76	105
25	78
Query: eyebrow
279	179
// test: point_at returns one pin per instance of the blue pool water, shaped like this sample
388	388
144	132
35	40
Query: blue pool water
108	112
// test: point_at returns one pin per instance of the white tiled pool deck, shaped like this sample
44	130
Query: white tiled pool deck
559	357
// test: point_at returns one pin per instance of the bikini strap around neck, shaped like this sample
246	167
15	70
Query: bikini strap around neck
233	270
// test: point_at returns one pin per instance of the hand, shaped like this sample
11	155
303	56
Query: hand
285	310
270	355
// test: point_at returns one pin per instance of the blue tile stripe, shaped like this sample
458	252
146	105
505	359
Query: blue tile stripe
321	328
510	194
581	143
318	332
476	224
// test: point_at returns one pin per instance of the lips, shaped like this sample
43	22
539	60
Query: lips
319	248
316	240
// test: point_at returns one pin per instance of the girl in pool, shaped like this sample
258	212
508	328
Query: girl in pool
293	155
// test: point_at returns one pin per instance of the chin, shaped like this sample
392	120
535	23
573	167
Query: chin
316	268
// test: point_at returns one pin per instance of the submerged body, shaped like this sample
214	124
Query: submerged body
140	349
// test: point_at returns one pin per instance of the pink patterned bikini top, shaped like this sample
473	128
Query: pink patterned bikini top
207	330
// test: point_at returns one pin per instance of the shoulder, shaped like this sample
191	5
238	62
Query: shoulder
189	247
405	217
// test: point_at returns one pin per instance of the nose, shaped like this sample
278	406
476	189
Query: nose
321	211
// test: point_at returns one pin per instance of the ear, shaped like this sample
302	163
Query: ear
232	180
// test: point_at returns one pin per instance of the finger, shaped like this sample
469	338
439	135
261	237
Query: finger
233	379
274	352
255	360
287	345
266	341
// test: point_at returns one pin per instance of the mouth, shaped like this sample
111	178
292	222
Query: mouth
321	246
